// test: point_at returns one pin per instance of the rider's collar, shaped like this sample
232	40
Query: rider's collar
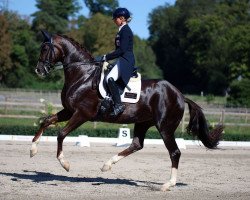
120	27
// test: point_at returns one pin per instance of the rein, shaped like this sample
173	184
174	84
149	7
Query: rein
76	64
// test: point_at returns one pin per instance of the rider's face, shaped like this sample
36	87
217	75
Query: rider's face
119	21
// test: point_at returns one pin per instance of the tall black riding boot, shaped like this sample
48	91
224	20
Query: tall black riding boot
118	107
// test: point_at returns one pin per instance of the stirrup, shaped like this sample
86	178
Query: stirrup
105	105
118	109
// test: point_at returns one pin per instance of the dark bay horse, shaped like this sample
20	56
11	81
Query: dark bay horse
160	105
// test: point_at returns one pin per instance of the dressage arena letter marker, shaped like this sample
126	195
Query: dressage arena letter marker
123	137
83	141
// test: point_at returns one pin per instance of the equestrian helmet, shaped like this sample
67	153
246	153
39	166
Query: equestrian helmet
121	12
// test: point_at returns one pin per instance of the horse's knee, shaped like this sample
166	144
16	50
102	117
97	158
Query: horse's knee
60	136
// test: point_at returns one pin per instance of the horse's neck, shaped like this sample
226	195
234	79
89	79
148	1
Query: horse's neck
77	64
74	53
73	56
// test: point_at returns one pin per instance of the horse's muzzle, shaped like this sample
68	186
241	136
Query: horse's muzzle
42	70
38	72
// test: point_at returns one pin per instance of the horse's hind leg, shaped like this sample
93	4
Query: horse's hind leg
63	115
167	133
140	130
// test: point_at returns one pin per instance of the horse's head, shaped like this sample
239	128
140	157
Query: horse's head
50	54
60	48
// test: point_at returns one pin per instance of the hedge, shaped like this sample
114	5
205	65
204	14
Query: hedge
109	133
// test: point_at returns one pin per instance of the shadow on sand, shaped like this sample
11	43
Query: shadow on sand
42	177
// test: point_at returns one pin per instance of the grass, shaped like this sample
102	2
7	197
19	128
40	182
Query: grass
101	129
30	122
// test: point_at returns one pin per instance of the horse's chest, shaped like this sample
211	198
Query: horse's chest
69	101
74	100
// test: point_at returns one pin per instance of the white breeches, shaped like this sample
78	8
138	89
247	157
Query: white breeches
114	73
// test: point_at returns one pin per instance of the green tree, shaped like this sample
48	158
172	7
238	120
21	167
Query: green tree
166	41
207	49
106	7
145	59
202	45
5	48
54	16
77	29
96	33
239	52
23	54
239	94
99	32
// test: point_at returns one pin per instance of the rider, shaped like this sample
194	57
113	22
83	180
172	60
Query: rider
124	53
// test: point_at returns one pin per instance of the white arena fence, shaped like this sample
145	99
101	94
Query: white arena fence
85	141
32	104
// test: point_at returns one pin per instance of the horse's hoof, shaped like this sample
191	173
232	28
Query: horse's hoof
66	166
166	187
33	151
106	168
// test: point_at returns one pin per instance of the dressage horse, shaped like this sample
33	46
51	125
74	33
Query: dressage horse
160	105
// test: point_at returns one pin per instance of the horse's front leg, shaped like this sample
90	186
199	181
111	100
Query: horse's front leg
75	121
46	122
63	115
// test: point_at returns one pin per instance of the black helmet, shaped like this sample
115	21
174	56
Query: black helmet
119	12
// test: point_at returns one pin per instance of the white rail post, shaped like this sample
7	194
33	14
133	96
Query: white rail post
183	122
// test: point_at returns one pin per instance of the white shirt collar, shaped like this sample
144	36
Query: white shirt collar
120	27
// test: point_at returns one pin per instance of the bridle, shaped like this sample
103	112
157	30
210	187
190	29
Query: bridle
48	64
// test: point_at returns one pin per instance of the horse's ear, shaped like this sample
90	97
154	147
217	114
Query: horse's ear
46	35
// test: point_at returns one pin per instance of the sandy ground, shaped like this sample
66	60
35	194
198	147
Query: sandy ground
219	174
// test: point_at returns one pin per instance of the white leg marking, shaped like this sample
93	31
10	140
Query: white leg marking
33	150
65	164
110	162
171	182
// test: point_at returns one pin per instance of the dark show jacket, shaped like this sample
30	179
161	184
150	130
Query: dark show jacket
124	52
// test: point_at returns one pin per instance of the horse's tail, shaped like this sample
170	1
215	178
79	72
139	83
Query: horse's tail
198	126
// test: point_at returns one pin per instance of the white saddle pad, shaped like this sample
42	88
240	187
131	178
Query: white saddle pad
129	96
